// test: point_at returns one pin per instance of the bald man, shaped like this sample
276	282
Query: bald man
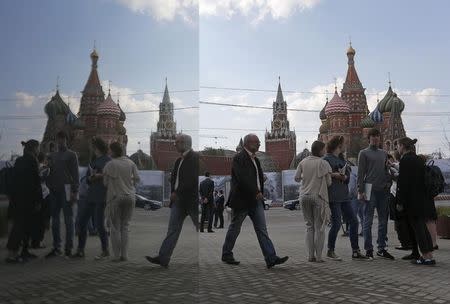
246	199
183	198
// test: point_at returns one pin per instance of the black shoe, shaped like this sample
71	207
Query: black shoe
26	255
384	254
155	260
68	253
357	256
411	256
78	255
230	260
406	248
55	252
278	261
201	230
211	231
361	234
38	246
220	227
436	247
369	254
422	261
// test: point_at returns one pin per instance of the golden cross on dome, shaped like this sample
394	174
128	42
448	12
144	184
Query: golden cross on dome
389	78
109	86
335	84
57	83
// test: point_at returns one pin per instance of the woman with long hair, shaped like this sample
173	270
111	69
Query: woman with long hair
25	200
411	195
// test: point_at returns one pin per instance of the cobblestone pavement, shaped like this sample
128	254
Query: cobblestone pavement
196	274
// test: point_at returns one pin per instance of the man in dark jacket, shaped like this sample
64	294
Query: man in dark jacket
207	200
247	187
183	199
25	200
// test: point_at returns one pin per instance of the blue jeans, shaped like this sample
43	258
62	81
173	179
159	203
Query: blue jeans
91	226
378	201
257	216
177	215
57	202
337	210
86	212
359	209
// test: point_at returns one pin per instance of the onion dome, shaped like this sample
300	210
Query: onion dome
376	115
351	50
387	102
322	114
56	106
324	127
122	116
336	105
367	122
108	107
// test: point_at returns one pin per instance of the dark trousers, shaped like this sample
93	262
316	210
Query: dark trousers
41	222
58	202
86	212
257	216
403	231
20	231
207	215
337	211
419	235
218	217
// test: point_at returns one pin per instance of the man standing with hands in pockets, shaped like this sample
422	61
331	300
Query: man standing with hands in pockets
373	190
246	198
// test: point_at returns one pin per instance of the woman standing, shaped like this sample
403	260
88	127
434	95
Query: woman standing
340	204
411	194
120	176
315	174
25	201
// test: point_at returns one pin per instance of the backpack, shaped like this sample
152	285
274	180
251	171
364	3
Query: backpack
6	179
434	180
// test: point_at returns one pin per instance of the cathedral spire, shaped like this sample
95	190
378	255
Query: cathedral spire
93	85
280	97
166	97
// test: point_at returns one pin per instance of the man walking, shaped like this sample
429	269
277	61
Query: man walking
247	187
373	190
207	200
183	199
63	183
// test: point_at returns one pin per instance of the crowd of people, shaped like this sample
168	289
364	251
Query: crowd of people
45	185
394	186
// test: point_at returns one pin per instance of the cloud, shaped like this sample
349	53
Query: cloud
164	10
24	99
257	10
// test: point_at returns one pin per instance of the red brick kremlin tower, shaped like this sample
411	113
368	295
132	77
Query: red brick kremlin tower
280	141
162	142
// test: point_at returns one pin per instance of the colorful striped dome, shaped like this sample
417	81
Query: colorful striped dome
322	114
367	122
109	107
336	105
376	115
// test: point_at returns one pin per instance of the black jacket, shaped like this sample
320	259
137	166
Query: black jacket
207	190
187	191
243	181
411	192
220	201
27	192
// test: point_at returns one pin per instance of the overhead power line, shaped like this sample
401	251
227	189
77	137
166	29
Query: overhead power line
306	92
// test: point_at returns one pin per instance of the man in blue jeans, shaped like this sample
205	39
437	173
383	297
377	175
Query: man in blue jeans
373	174
63	173
246	198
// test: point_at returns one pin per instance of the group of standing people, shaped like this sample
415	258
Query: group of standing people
52	185
381	182
212	204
